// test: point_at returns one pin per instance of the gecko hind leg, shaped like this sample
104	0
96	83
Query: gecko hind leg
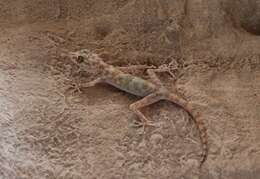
146	101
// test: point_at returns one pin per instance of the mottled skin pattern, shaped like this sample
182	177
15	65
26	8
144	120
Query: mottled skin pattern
151	92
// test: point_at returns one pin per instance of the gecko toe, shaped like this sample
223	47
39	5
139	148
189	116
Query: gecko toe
144	124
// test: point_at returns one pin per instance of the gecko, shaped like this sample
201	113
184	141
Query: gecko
149	91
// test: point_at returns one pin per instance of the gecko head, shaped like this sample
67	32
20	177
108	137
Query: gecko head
86	59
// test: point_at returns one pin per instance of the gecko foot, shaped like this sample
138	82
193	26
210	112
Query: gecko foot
147	123
144	124
75	88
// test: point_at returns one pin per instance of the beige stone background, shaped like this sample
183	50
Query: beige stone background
46	131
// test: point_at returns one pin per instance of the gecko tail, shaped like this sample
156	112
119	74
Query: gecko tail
204	154
198	121
203	137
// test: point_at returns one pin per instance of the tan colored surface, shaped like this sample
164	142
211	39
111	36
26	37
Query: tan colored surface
48	132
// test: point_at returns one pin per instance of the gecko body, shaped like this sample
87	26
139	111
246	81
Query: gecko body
131	84
151	92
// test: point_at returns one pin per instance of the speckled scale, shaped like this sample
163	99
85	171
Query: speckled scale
132	84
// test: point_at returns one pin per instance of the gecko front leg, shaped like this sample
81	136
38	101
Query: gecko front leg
136	67
77	88
146	101
154	77
92	83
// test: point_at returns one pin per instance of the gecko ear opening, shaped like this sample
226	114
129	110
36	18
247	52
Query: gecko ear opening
80	59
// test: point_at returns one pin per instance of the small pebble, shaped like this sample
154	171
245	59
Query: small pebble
156	139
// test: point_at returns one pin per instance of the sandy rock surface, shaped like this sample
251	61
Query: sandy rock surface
47	131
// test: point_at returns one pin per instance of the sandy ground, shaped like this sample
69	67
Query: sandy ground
46	131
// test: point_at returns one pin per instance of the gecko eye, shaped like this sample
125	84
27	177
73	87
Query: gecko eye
80	59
